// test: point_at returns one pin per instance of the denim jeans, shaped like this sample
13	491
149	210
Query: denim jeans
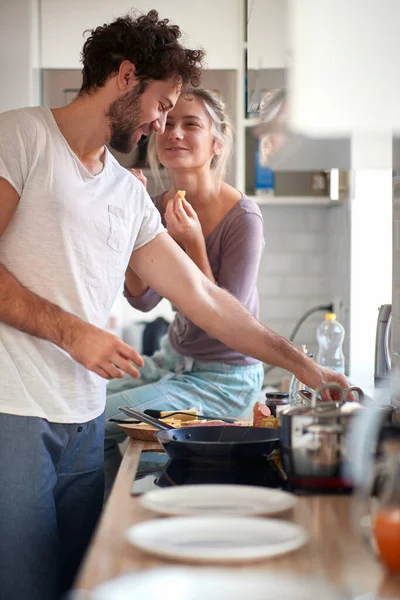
51	494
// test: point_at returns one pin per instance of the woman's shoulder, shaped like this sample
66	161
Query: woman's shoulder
247	205
242	205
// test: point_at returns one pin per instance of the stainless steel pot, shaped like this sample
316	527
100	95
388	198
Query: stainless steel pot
313	435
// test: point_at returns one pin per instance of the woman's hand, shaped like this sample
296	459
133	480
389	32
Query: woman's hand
138	173
182	222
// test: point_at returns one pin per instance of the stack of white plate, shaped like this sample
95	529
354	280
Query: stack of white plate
180	583
215	524
220	524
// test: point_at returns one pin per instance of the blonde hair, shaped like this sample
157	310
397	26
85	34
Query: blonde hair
221	130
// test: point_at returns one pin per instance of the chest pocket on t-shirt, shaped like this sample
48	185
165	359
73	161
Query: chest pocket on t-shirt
120	228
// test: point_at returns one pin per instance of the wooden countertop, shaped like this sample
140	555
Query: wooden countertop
335	550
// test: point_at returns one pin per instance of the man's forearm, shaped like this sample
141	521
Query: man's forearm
28	312
242	331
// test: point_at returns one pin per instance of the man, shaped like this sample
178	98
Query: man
71	221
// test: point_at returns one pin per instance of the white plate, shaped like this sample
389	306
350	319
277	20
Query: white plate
217	539
183	583
239	500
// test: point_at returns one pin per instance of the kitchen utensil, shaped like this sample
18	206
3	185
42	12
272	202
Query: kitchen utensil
313	436
217	539
238	500
138	430
214	441
156	415
135	428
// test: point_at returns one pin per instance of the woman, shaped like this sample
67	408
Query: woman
222	232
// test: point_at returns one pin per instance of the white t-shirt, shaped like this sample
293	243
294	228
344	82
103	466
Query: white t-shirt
69	241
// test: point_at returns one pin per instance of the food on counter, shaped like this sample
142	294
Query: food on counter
214	423
185	415
270	422
260	412
169	420
387	536
178	422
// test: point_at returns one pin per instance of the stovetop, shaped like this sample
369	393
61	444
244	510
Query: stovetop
259	472
255	471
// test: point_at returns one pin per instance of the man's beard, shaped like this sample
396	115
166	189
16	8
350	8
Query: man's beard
125	117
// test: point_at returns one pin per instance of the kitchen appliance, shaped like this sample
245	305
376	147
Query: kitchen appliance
313	438
212	441
258	471
383	344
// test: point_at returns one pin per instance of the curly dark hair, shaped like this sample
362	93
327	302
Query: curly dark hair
147	42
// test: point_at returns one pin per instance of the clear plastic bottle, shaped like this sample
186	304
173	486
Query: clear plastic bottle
296	386
330	336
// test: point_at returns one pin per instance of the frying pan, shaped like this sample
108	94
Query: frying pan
231	441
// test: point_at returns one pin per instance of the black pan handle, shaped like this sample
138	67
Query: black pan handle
136	414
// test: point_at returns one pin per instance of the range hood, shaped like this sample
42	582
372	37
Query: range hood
284	150
300	153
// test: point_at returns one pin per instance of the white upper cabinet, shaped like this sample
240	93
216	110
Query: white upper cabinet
267	34
343	75
214	25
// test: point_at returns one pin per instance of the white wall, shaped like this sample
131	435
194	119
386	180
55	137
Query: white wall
338	268
371	266
213	25
19	54
293	271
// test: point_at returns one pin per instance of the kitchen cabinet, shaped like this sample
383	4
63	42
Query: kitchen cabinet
267	46
215	26
342	78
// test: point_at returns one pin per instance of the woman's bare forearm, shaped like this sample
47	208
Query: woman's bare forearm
135	285
198	253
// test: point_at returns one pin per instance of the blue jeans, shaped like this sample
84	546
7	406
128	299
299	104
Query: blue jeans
170	381
51	494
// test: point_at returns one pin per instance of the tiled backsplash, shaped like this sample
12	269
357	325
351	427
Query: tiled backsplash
305	264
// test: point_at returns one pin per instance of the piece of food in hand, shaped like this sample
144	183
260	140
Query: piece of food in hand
270	422
260	411
181	194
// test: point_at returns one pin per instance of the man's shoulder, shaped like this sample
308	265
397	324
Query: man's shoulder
28	113
26	119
